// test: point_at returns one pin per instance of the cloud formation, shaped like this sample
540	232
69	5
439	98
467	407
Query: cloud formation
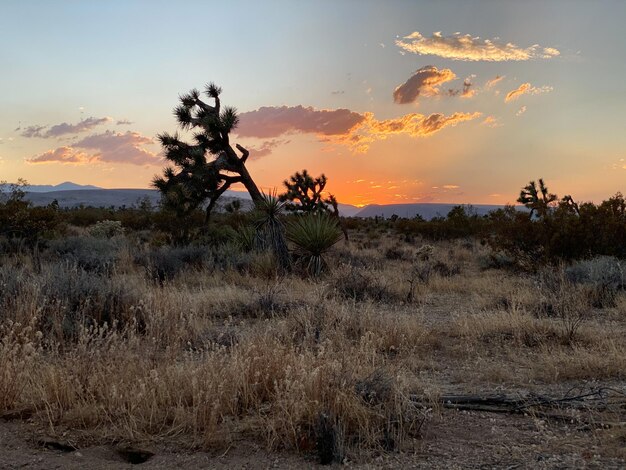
424	82
413	125
272	121
120	147
265	148
82	126
526	89
63	155
521	111
110	147
465	47
491	121
342	126
32	131
64	128
494	81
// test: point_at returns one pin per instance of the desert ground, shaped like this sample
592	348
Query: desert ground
404	353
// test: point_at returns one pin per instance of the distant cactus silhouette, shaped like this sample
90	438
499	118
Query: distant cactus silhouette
537	198
194	178
305	195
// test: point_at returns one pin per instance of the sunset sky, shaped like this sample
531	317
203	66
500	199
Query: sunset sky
395	101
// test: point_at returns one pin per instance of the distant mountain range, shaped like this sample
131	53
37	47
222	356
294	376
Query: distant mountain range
67	186
70	194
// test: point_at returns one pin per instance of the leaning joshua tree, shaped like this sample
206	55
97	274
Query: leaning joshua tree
204	169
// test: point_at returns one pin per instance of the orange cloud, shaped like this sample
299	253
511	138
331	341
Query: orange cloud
425	82
413	125
494	81
65	155
465	47
526	89
491	121
342	126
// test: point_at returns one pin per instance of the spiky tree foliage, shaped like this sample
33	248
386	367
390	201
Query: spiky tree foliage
270	230
313	235
537	198
204	169
304	194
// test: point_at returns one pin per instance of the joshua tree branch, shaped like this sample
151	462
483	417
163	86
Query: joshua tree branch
228	180
244	153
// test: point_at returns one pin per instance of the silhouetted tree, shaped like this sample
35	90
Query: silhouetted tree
304	194
537	198
205	169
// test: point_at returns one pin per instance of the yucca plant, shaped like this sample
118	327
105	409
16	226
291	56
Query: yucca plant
270	230
313	235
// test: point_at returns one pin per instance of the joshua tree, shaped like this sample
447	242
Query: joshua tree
304	195
207	167
537	199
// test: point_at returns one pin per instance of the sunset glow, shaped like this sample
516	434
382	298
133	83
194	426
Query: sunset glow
396	102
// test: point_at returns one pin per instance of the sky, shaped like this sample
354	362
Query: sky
395	101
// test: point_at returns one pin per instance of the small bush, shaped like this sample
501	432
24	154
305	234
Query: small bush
163	264
91	254
603	276
562	299
106	229
351	283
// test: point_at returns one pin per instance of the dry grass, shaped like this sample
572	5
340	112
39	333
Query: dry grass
212	356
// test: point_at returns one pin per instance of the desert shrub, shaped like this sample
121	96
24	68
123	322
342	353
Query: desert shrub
63	298
83	298
425	252
445	269
603	276
397	252
216	235
164	263
96	255
342	255
354	284
227	256
561	298
106	229
495	260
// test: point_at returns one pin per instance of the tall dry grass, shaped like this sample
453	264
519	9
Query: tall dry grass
224	350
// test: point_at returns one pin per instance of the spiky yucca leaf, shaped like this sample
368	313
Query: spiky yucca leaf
213	90
270	230
183	115
229	119
313	235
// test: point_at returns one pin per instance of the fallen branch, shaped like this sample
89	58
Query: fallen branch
600	399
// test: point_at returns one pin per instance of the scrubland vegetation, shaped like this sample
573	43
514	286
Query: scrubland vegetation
137	326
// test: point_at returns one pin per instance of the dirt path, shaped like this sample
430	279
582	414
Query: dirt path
453	440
